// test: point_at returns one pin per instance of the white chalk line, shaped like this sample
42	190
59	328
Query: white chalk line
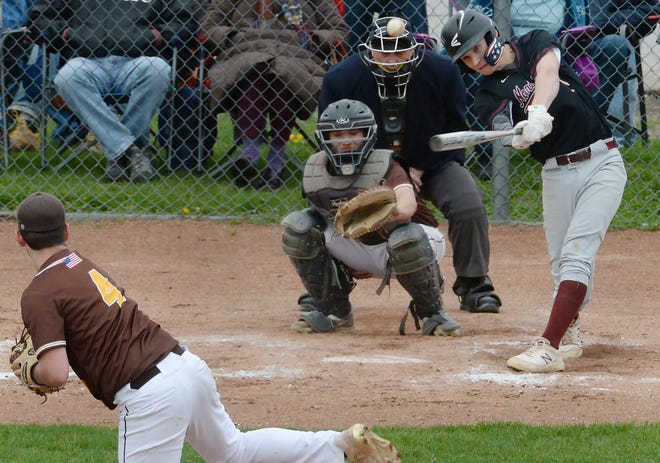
476	374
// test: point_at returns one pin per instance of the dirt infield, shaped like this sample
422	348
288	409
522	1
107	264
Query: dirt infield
228	292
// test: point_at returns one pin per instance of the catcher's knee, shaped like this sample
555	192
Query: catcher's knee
303	236
409	249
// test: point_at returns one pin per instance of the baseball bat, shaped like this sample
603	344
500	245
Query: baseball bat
455	140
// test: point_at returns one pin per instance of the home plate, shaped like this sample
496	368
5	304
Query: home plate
375	359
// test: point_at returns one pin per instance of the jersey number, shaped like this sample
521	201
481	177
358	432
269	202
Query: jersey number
109	292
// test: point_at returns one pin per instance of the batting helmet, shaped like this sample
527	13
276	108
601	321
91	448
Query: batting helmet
464	30
392	77
347	115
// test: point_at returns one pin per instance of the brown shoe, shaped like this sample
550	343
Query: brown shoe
24	136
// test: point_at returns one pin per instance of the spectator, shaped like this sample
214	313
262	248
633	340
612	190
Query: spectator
78	316
414	96
269	64
114	48
611	51
21	132
25	110
527	83
410	242
359	15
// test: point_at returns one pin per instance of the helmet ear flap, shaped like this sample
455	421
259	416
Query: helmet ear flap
495	48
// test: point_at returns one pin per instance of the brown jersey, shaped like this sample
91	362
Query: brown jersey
72	302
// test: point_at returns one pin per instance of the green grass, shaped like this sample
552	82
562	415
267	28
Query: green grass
499	442
178	195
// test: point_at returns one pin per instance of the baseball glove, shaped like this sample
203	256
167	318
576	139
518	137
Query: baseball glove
366	212
22	357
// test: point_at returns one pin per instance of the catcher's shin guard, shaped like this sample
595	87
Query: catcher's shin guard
414	263
327	281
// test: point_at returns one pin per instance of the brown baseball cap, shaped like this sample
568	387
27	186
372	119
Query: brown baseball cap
40	212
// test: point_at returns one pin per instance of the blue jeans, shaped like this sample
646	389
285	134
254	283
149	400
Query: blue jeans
28	102
610	54
84	82
22	103
359	17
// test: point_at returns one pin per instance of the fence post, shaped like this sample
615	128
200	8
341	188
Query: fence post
500	161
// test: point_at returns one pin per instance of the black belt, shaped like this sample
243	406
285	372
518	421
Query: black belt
581	155
149	373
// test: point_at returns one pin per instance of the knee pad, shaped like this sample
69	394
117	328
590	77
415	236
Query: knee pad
409	249
303	236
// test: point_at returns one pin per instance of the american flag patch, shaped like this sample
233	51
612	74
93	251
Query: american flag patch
72	260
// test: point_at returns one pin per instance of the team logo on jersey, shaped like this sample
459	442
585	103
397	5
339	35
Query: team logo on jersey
524	95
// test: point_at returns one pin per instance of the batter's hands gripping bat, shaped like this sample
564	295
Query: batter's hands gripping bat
455	140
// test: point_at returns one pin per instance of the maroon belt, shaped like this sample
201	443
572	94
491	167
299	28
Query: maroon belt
149	373
581	155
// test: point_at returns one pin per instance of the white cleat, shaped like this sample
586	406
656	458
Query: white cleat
571	344
541	357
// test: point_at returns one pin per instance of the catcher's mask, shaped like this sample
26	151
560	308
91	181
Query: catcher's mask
347	115
392	77
465	30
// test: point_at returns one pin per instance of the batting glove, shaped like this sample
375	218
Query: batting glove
539	123
518	141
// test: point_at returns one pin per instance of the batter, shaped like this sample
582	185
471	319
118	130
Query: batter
79	316
527	83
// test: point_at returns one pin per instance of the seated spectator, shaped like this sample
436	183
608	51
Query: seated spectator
114	48
269	64
611	52
359	16
26	108
13	16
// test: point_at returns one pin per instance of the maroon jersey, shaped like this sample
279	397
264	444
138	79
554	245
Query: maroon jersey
72	302
423	215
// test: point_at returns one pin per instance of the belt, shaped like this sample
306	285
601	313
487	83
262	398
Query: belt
149	373
581	155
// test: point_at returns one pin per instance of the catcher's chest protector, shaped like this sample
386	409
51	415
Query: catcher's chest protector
328	192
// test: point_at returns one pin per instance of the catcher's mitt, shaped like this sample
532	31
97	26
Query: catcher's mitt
366	212
23	358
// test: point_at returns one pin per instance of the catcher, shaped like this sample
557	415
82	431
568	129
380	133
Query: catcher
78	316
402	240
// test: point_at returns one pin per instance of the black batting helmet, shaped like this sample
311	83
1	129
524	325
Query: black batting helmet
347	115
464	30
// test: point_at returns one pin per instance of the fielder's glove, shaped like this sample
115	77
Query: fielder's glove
22	357
537	126
365	213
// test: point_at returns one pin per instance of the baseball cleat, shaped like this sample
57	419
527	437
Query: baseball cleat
570	346
361	445
317	322
541	357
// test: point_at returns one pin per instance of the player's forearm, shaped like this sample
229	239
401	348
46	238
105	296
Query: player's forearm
52	368
546	80
406	203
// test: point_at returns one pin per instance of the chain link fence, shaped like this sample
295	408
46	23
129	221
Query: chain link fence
226	135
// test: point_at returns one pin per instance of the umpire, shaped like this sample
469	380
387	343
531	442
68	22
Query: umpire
415	96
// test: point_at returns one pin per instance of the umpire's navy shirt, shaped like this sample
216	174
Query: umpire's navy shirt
435	103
